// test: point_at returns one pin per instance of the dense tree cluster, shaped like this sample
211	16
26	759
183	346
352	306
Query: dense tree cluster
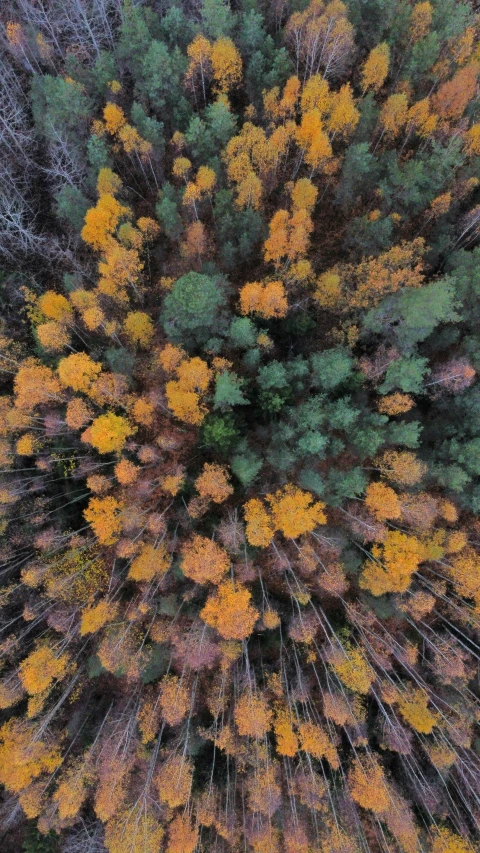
239	426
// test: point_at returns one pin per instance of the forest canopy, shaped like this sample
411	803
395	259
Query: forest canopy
239	426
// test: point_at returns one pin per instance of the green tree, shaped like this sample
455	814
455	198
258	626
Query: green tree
194	309
411	316
331	368
168	212
217	18
228	391
219	432
360	172
245	463
242	332
405	374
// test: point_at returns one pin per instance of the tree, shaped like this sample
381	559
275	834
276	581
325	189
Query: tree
213	483
230	612
228	391
268	300
34	385
184	395
41	668
402	467
133	830
55	306
294	512
97	615
174	780
394	114
322	37
287	740
194	309
151	562
313	140
108	433
252	715
375	68
399	268
344	115
331	368
316	742
289	236
72	790
217	18
24	758
204	561
78	371
413	708
368	785
446	841
392	565
139	328
382	501
102	220
226	64
353	669
260	528
104	516
174	699
453	96
182	836
420	20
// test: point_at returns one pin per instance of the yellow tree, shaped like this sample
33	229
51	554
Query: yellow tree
344	115
174	699
304	195
138	328
382	501
214	483
394	114
35	384
204	561
103	514
108	433
260	528
313	140
41	668
393	563
78	371
420	20
375	68
368	785
102	220
268	300
24	757
134	829
402	467
353	669
446	841
199	52
230	612
287	740
252	715
226	64
288	236
174	780
182	836
294	512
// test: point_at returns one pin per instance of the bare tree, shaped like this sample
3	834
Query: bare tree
86	838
